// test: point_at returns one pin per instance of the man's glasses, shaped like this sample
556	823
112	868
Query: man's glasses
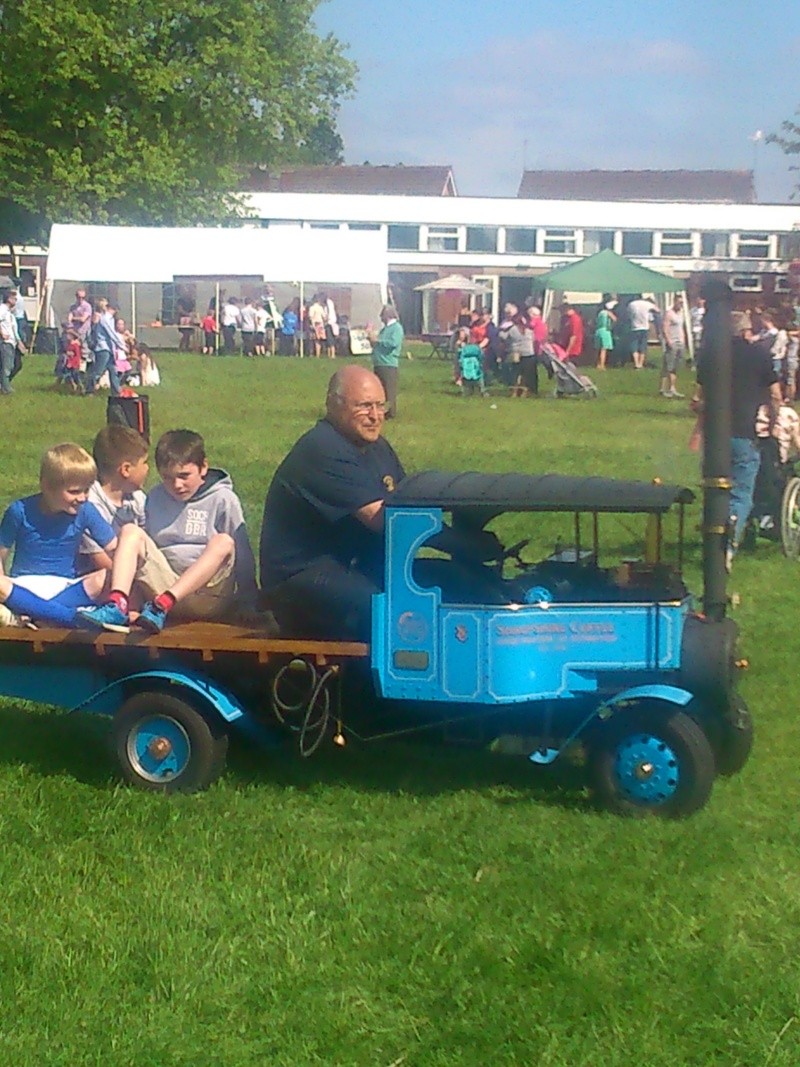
378	407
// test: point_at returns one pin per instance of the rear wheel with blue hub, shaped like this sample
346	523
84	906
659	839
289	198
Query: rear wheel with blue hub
647	761
165	745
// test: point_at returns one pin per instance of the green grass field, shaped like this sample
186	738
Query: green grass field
402	905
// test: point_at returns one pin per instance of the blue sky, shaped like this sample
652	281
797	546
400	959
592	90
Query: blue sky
488	87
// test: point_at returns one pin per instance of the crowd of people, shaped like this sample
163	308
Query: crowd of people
765	428
98	351
512	351
253	326
89	549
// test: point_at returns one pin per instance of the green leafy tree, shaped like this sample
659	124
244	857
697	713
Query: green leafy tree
789	140
151	112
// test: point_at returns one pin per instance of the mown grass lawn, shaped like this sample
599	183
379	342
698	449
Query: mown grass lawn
397	905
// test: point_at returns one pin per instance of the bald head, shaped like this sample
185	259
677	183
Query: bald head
355	403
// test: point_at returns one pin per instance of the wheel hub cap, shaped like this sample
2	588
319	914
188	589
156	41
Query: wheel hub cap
159	748
647	769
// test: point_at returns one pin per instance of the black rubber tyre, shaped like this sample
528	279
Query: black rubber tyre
649	760
165	745
708	657
734	737
790	519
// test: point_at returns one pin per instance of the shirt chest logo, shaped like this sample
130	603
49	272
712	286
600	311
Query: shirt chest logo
196	523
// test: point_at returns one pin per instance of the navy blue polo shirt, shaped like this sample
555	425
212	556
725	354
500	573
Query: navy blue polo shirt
310	507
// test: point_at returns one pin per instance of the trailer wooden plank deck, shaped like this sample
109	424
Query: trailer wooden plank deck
207	638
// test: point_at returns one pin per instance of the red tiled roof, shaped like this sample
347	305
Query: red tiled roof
388	180
705	186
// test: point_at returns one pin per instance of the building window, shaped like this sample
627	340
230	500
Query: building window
323	225
363	226
753	246
782	284
676	244
789	246
597	241
481	238
403	238
521	239
637	243
746	283
559	242
443	238
714	245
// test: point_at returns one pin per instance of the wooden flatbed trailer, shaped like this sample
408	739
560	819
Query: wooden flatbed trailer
174	696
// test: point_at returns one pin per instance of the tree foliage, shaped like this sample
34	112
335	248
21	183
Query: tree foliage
152	112
789	140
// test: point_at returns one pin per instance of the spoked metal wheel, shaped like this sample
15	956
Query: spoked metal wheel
165	745
790	519
648	761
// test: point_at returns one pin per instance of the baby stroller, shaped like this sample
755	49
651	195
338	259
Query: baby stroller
568	381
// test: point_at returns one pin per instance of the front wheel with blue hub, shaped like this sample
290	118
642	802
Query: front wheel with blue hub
650	761
165	745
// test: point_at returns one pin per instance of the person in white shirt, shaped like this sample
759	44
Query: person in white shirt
248	324
331	324
231	318
9	341
640	312
674	337
262	319
697	313
316	323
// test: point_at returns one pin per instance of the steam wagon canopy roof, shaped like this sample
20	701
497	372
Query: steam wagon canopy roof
535	492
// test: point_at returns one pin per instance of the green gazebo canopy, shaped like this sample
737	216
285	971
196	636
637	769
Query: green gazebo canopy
606	272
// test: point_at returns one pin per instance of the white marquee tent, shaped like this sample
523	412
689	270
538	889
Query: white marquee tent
291	259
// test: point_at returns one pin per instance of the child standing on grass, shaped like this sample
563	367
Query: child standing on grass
209	328
120	454
73	359
193	554
470	365
44	532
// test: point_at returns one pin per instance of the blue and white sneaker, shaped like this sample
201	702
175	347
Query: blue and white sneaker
151	618
104	617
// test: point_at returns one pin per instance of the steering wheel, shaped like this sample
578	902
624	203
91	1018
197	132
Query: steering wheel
513	551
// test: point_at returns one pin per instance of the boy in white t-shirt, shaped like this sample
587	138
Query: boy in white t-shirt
121	457
262	320
248	326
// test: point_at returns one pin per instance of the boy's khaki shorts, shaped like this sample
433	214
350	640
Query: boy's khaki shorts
155	574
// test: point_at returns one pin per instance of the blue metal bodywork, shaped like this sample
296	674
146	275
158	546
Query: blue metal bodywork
83	689
426	650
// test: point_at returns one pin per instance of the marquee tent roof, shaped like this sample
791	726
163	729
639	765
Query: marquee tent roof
284	253
606	272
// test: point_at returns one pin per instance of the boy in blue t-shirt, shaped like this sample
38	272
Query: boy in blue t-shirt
45	532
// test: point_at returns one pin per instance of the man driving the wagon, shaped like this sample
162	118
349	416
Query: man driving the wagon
322	545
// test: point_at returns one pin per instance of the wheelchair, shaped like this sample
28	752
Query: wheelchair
776	501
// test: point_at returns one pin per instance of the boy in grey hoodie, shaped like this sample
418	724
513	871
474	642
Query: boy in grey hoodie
193	554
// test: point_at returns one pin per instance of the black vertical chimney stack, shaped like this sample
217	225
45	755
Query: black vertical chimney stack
716	357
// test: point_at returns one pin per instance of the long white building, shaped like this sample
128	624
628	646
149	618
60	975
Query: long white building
505	242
